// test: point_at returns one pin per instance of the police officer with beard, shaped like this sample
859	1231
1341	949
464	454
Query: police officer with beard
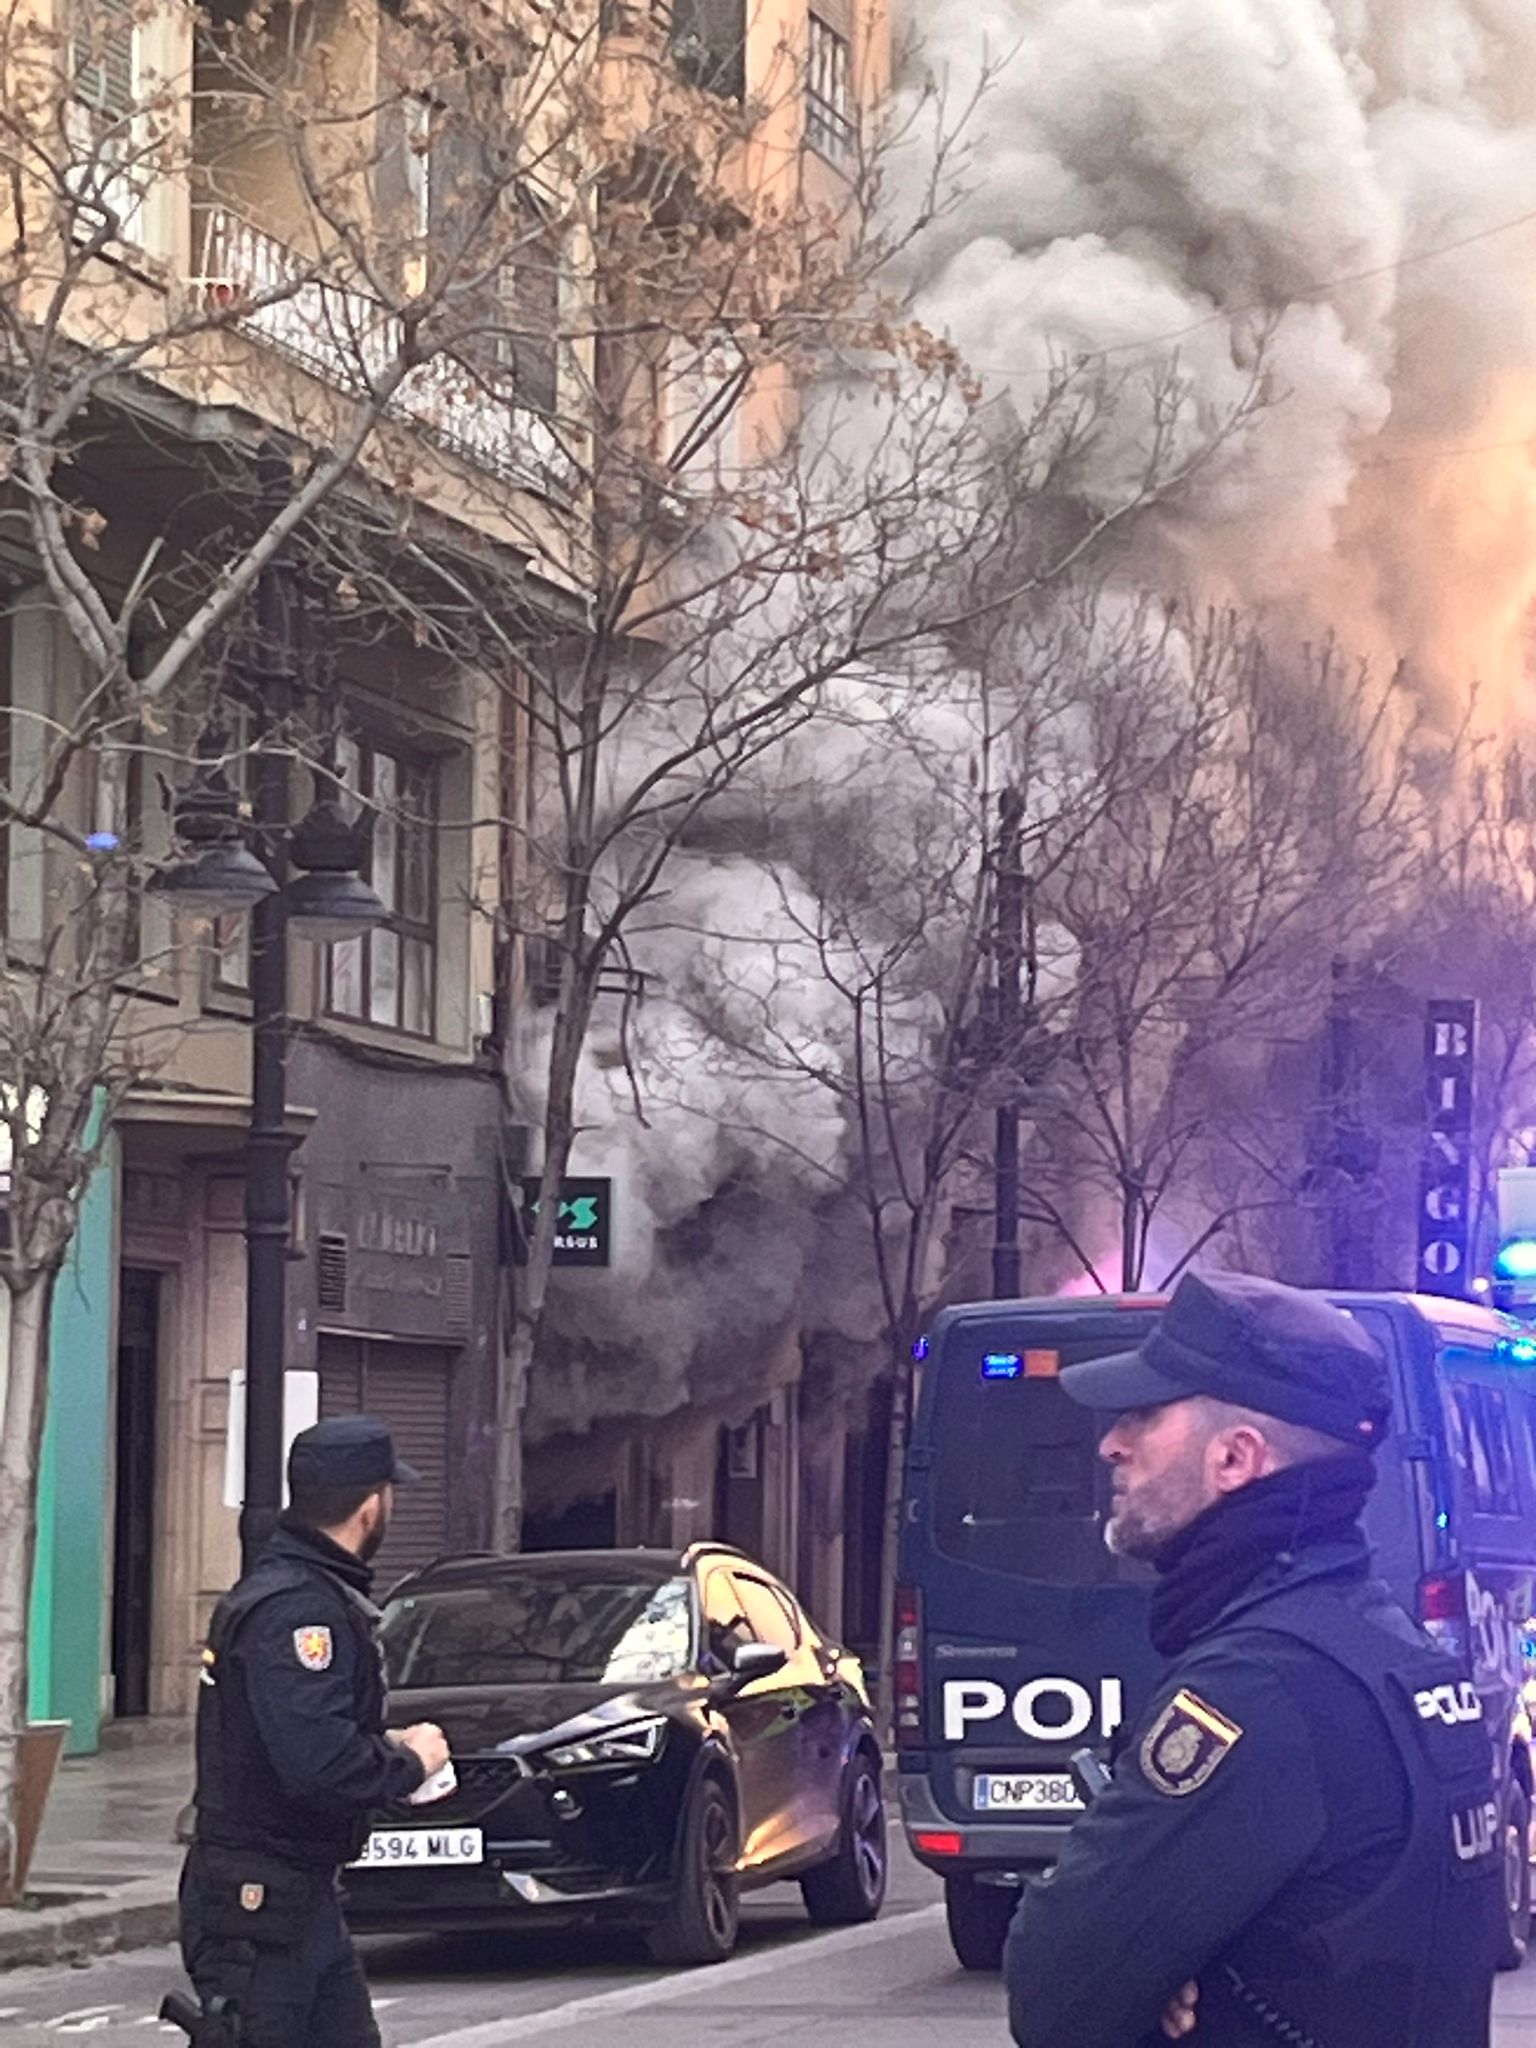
1300	1846
292	1757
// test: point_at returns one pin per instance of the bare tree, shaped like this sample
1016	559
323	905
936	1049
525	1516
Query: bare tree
483	328
826	499
1209	905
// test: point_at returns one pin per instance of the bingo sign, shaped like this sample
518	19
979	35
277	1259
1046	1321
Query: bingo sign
1445	1184
584	1232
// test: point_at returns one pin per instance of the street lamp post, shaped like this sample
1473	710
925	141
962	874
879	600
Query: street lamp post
327	900
267	1219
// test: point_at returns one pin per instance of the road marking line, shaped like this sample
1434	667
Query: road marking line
532	2026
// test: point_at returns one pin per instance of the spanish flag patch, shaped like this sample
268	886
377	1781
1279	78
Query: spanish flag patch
1185	1744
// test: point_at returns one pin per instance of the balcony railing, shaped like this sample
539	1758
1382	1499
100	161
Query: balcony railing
346	339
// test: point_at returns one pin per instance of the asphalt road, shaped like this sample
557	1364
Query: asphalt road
892	1985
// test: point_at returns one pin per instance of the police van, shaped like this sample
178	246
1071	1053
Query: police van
1020	1638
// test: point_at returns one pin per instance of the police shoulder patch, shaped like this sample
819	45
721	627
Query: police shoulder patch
312	1646
1185	1744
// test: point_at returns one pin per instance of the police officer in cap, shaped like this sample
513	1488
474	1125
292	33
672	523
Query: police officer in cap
1298	1845
292	1755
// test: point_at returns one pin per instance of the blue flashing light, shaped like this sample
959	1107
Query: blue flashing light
920	1349
1002	1365
1519	1350
1517	1259
1442	1520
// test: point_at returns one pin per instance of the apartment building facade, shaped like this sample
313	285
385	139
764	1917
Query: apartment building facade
270	288
269	292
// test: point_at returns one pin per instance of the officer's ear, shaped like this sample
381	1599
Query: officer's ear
1238	1455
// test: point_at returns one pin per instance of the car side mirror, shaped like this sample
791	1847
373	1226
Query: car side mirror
751	1661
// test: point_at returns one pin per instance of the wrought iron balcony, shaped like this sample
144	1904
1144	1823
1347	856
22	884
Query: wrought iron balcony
346	339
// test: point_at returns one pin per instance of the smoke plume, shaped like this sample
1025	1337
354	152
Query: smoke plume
1333	201
1340	191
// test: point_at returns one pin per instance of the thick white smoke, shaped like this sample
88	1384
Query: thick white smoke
1151	177
1316	193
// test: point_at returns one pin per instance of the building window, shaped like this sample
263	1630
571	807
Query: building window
420	118
387	977
103	117
829	123
709	45
531	311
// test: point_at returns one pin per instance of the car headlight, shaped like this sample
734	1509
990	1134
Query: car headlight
637	1742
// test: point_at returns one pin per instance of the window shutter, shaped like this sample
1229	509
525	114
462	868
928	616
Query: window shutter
838	16
458	1286
459	175
406	1386
391	173
102	57
331	1285
531	296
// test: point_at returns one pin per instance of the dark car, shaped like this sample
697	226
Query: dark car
637	1735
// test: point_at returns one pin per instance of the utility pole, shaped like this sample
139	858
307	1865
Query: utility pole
267	1144
1008	959
1338	1070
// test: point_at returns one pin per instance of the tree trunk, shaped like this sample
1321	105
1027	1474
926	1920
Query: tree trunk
532	1291
516	1369
532	1281
21	1438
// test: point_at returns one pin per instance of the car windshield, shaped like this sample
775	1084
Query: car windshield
540	1628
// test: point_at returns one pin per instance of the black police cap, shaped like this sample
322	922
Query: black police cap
346	1450
1256	1344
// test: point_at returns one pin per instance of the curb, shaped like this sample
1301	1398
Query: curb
138	1915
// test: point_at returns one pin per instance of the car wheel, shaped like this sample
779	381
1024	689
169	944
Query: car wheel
979	1917
850	1886
1517	1875
700	1924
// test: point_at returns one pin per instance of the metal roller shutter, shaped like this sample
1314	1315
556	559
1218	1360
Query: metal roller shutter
405	1385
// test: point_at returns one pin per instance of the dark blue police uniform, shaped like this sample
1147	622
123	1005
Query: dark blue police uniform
1303	1820
291	1761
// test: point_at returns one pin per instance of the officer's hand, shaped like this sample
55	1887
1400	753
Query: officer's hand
429	1743
1179	2015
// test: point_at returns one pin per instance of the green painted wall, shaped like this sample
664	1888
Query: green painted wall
69	1583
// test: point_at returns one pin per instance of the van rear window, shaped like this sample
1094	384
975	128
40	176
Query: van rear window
1478	1422
1018	1485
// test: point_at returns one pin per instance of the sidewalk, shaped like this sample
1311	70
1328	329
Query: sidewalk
106	1867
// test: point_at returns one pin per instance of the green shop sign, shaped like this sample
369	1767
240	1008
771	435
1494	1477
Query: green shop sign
584	1232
